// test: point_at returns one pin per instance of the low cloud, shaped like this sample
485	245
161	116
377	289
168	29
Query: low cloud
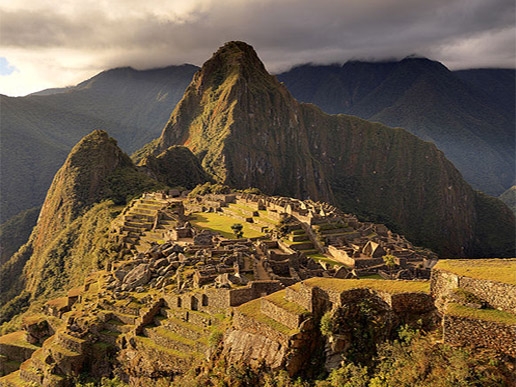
52	44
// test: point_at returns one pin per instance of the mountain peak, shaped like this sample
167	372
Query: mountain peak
235	60
96	169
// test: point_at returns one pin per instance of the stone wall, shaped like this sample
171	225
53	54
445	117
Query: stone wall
301	295
496	294
218	300
282	315
442	283
463	331
244	323
411	303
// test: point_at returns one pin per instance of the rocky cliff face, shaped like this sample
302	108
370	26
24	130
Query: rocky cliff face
247	130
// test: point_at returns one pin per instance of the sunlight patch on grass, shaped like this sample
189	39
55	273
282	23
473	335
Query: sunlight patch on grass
221	224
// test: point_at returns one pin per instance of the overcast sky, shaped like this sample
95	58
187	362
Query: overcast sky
49	43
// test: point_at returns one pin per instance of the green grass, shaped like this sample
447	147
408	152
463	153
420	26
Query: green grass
372	276
500	270
221	224
170	335
493	315
393	287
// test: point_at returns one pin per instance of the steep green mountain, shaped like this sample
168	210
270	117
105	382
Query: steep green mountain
469	115
248	130
71	235
38	131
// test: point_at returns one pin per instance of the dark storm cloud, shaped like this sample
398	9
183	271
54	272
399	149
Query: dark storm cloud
284	32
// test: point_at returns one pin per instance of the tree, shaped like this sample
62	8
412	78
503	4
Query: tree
390	262
237	230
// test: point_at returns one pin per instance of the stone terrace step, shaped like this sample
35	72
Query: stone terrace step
197	318
181	327
142	211
137	223
176	361
170	339
136	230
279	308
111	337
299	295
123	312
38	359
15	346
249	317
70	362
30	374
135	217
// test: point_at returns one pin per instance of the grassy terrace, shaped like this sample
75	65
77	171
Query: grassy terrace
252	310
17	339
500	270
278	299
494	315
221	224
246	211
393	287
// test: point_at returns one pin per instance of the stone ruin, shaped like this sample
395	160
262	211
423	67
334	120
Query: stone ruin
173	277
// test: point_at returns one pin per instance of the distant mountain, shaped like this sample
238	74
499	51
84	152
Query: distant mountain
38	131
468	114
248	131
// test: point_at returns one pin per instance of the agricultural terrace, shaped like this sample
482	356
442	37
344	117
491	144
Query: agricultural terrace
500	270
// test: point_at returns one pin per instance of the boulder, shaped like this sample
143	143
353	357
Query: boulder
137	277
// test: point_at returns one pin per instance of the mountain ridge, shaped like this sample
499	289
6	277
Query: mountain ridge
428	100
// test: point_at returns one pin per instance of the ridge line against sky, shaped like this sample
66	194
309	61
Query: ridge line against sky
44	45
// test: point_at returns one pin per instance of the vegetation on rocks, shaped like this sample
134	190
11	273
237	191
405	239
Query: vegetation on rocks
414	359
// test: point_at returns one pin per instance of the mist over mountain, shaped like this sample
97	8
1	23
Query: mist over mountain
468	114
